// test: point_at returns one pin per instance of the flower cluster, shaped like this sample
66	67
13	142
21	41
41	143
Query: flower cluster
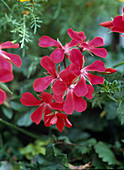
6	59
117	25
71	85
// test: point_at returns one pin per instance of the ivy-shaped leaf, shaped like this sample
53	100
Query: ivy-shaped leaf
105	153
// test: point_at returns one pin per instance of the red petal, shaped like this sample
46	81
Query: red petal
73	34
81	88
57	55
58	98
118	22
28	99
79	104
72	43
57	106
2	96
46	41
107	24
48	64
95	79
46	97
67	123
96	66
53	120
110	71
37	114
5	64
6	76
101	52
60	124
75	69
69	103
67	76
9	44
59	87
89	95
97	42
41	84
15	59
76	57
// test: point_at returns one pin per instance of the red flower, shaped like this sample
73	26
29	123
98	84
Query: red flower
5	76
77	59
117	25
58	54
2	96
28	99
92	47
41	84
67	85
15	59
80	37
57	118
45	104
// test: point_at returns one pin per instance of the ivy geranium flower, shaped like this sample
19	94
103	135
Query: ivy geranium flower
78	59
15	59
67	84
57	118
45	103
58	54
28	99
91	46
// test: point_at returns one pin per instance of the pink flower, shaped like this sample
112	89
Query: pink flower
28	99
15	59
117	25
41	84
91	46
67	84
58	54
5	76
57	118
45	104
77	59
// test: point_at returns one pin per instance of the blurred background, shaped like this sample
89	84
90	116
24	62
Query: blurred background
96	139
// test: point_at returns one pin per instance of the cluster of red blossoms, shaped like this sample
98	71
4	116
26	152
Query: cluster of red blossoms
70	85
6	59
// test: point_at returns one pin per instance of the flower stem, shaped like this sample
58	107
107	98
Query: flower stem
19	129
112	98
64	62
6	5
118	64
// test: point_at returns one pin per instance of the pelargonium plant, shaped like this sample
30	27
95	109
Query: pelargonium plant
70	85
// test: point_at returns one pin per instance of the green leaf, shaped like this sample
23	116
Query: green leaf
4	87
7	112
105	153
52	160
25	119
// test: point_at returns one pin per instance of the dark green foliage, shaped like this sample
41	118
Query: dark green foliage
96	139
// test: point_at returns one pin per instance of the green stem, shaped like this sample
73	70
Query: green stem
118	64
6	5
112	98
19	129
